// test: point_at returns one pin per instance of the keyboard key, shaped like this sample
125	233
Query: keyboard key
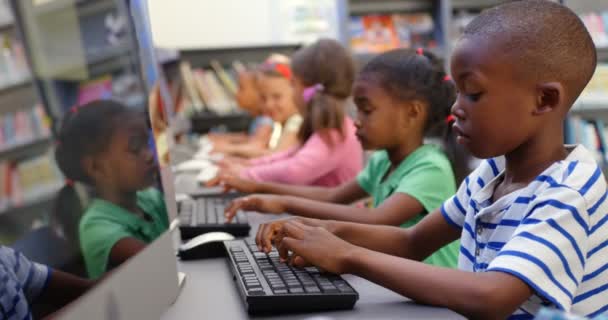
260	256
312	270
311	289
296	290
293	283
256	291
280	291
241	217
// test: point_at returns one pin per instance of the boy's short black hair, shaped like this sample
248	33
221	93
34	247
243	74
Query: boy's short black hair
547	41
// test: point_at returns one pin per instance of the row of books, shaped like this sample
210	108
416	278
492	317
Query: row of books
597	24
211	90
596	92
23	127
27	181
13	64
590	133
381	32
124	87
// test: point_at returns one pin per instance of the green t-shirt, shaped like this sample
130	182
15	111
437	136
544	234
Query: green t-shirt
105	223
427	176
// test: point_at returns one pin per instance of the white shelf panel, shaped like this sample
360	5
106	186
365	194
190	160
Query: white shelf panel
379	6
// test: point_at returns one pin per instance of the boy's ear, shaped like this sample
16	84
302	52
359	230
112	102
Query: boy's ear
550	96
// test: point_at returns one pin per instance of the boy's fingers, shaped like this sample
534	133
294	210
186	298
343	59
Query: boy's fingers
289	244
299	262
259	236
295	229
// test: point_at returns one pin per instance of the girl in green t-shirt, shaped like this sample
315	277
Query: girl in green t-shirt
402	96
106	145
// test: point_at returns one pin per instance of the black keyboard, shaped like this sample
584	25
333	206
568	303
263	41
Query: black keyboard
269	286
202	215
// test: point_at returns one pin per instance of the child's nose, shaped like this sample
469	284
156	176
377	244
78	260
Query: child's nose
457	111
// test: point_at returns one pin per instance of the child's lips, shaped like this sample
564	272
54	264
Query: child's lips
360	136
461	136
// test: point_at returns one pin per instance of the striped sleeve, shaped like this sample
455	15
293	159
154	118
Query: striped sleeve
454	210
548	249
32	277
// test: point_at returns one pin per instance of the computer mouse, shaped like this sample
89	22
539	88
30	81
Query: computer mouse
192	165
179	197
206	245
207	174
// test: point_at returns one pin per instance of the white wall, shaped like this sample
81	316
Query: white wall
183	24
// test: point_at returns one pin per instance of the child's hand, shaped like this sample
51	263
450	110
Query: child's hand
268	232
232	182
315	245
259	203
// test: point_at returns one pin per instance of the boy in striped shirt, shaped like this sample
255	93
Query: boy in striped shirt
531	219
23	282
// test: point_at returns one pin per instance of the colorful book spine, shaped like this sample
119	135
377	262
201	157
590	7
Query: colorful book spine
23	127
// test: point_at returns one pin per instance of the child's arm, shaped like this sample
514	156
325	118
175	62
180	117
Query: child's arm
344	194
262	134
124	249
289	139
303	166
248	150
62	289
488	295
395	210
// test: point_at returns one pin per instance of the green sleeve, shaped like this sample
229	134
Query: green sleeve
97	238
365	177
430	183
160	207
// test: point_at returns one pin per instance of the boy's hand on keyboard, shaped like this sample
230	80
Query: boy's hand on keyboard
233	182
315	245
271	232
259	203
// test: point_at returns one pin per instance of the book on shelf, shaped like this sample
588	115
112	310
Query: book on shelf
23	127
597	24
226	78
589	133
13	65
382	32
122	87
595	94
28	180
190	88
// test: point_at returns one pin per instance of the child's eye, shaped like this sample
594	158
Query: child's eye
473	96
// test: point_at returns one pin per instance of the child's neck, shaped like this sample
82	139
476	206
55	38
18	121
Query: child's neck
126	200
397	154
529	160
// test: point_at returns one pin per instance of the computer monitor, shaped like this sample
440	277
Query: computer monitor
94	68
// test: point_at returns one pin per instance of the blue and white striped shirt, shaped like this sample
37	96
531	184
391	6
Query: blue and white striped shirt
551	234
21	282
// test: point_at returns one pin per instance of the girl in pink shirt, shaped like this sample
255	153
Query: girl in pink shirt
329	153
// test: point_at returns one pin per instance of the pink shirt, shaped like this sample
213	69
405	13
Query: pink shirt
315	163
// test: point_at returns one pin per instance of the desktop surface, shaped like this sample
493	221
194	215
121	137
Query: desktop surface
210	292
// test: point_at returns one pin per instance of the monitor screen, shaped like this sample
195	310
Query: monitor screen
85	178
